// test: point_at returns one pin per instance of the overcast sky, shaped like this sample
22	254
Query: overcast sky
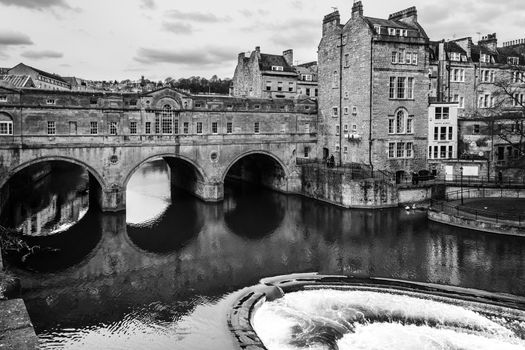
118	39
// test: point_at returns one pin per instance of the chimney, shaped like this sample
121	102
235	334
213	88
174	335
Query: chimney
489	41
288	56
408	15
465	44
241	57
331	21
357	9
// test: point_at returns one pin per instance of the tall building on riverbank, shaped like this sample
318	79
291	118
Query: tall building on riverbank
373	80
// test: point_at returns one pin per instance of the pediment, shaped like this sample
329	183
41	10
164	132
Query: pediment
167	96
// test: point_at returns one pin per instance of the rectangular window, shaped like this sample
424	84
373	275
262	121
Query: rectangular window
392	89
443	133
280	86
436	133
199	127
148	128
400	150
445	112
157	124
391	124
335	112
409	149
256	127
442	151
3	98
306	151
391	146
93	128
214	127
410	124
347	60
6	128
429	151
449	151
337	129
176	126
307	92
307	128
410	88
394	57
133	127
401	56
401	87
513	60
435	152
167	123
186	127
345	149
290	86
50	101
455	56
476	129
414	58
450	133
112	128
229	127
51	128
268	85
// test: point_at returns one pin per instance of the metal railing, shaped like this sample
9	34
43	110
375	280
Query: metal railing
478	214
464	181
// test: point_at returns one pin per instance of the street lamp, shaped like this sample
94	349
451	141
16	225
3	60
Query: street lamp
461	182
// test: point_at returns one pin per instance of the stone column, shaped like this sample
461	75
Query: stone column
112	199
212	191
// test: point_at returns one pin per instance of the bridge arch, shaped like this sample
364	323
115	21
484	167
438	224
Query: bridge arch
260	167
199	171
11	172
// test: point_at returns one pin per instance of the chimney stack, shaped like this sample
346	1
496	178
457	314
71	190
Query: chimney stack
331	21
288	56
408	15
357	9
490	41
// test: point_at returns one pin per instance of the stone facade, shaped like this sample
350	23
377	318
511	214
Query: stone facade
111	135
273	76
356	105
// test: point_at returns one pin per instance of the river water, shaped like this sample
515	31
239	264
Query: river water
163	274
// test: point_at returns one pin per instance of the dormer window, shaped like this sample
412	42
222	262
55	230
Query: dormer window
391	31
485	58
377	28
397	32
513	60
277	68
306	77
455	56
463	58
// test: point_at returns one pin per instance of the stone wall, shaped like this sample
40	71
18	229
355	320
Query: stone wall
338	188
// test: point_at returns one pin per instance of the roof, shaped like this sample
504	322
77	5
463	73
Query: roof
267	61
451	46
388	23
307	64
18	80
44	73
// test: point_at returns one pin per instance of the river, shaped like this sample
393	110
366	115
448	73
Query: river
163	274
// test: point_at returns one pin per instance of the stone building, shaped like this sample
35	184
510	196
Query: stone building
486	82
273	76
41	79
373	98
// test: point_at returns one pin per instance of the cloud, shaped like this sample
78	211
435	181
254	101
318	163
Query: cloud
196	16
14	38
189	57
177	27
37	55
148	4
36	4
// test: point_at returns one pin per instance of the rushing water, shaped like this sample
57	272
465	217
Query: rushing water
163	274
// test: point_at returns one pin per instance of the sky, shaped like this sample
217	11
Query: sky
125	39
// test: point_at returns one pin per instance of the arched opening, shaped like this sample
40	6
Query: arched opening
160	199
260	169
50	211
6	124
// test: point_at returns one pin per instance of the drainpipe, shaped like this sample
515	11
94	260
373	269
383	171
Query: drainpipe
341	99
371	104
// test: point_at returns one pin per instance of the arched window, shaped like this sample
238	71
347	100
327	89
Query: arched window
167	120
400	122
6	125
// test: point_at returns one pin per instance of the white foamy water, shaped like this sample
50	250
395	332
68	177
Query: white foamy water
350	319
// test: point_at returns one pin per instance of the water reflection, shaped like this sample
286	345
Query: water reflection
47	198
127	284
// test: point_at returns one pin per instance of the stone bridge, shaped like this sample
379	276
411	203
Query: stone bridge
204	139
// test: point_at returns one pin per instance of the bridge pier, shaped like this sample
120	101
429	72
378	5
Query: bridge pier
112	199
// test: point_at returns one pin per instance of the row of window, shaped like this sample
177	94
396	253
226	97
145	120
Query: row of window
401	88
440	152
160	127
345	128
346	110
404	57
400	150
443	133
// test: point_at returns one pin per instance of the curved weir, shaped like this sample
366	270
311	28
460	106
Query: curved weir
330	312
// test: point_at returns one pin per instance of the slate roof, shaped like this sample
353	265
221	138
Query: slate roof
267	61
451	46
44	73
388	23
18	81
